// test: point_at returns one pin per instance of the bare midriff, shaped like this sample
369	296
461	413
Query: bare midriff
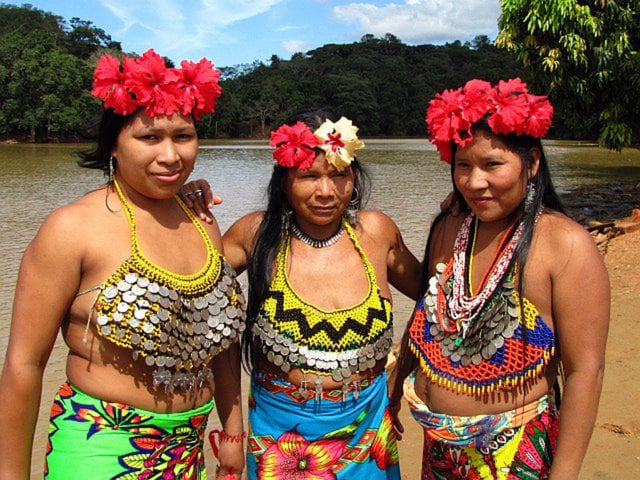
105	371
296	376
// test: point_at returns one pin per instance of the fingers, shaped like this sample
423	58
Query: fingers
200	207
398	427
209	198
185	195
197	196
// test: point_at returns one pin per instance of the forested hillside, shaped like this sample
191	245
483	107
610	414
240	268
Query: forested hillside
381	83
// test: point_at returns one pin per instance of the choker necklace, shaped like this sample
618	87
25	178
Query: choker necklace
316	242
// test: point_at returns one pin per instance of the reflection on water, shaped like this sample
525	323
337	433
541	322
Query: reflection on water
408	184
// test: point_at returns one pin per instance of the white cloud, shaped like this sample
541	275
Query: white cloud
424	21
179	28
288	28
294	46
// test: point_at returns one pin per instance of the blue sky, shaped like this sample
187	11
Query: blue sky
230	32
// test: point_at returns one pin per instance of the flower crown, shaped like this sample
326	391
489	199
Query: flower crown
294	144
146	82
507	108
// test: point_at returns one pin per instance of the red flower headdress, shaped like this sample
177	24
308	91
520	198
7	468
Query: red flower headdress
507	108
146	82
294	144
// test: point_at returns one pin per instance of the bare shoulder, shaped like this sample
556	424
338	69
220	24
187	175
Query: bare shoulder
73	217
562	241
558	232
443	236
376	223
68	229
244	229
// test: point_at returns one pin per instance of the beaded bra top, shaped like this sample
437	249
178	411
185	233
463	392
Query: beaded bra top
176	323
500	348
294	333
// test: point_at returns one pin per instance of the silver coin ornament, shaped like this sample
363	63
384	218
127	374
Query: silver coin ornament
285	353
175	333
485	336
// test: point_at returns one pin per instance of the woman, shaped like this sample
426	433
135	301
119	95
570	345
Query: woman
511	288
319	311
146	303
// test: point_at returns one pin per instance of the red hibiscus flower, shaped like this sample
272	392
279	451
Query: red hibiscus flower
511	106
152	84
508	108
444	116
539	118
197	87
294	146
475	103
109	85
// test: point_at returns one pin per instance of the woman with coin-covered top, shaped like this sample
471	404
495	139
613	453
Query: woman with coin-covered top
148	306
319	320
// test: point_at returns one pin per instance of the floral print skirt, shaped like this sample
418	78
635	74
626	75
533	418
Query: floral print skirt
91	438
328	436
514	445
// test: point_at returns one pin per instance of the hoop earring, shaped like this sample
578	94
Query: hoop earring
530	196
351	213
287	212
112	168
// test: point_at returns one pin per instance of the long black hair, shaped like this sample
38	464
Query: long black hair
267	238
98	157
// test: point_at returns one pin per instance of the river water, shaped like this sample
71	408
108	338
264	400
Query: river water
408	184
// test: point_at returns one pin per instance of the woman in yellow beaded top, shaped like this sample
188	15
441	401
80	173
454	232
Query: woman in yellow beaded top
148	306
319	323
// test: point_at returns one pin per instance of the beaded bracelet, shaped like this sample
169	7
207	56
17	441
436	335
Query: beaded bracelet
224	436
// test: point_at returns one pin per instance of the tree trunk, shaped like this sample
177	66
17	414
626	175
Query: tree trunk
32	134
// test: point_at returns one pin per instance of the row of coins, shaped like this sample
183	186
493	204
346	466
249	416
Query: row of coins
285	353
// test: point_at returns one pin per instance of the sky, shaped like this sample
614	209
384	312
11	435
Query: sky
232	32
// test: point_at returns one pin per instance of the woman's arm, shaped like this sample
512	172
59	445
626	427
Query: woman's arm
581	303
238	241
226	371
47	282
403	268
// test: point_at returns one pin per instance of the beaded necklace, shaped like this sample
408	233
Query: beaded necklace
461	307
304	237
500	345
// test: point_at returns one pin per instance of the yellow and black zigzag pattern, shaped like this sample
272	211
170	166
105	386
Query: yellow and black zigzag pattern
328	331
338	330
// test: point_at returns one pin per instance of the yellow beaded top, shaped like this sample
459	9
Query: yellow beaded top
175	322
294	332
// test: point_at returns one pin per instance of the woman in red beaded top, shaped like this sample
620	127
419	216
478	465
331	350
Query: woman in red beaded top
512	289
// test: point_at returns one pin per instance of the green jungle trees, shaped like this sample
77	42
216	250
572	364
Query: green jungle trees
45	72
586	55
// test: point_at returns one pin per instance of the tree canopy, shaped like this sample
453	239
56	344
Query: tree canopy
45	75
586	55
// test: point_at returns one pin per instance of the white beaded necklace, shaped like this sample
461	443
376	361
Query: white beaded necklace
316	242
461	307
